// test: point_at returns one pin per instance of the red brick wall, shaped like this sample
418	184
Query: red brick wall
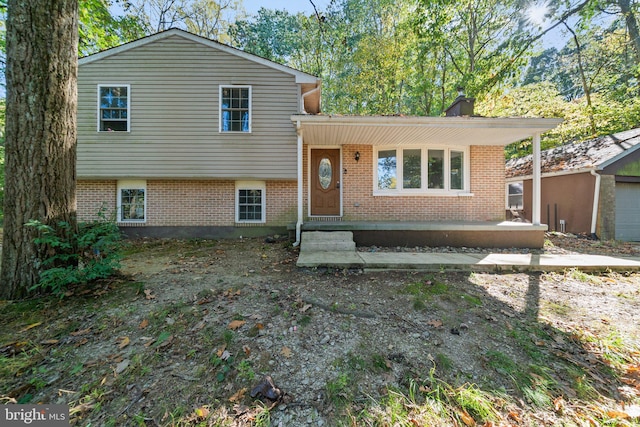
93	195
212	203
190	202
487	176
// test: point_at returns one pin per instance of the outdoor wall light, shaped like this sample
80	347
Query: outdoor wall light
357	156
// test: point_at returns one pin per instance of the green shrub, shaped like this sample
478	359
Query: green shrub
77	257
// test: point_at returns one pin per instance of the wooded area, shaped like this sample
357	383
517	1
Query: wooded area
576	60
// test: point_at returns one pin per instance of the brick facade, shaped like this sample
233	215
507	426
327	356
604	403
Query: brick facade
189	202
359	204
212	202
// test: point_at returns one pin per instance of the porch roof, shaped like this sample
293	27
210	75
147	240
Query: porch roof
412	130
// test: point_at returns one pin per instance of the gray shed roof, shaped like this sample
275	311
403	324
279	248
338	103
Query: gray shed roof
590	154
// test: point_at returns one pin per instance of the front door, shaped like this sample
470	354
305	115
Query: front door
325	182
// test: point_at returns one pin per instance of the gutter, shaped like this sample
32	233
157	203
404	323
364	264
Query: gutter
596	201
304	95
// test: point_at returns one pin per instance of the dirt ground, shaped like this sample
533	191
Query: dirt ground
189	332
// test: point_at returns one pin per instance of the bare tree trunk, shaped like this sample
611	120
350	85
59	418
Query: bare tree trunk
583	79
632	26
41	74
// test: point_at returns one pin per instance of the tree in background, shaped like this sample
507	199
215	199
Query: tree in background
98	29
42	35
207	18
271	34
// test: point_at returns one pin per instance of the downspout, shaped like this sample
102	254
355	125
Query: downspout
596	201
299	162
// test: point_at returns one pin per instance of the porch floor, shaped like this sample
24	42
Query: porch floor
498	234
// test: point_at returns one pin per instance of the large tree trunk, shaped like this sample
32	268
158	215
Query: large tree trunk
41	73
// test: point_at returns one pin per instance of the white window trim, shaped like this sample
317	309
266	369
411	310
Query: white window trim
101	85
446	191
506	195
130	184
222	87
251	185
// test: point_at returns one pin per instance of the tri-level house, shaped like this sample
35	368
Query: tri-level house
182	136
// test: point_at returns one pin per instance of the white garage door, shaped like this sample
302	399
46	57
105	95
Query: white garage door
628	211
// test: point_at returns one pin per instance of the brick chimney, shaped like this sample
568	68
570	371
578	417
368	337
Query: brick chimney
461	106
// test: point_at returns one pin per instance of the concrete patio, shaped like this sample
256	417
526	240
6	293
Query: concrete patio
340	253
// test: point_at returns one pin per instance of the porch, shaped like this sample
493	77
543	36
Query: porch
504	234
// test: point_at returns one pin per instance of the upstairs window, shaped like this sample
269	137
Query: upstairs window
235	109
421	170
113	108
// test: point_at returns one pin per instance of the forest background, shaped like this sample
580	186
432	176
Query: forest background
409	57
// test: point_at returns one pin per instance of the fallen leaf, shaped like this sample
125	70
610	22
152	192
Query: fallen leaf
148	294
31	326
166	342
219	352
236	324
143	324
612	413
83	341
305	308
436	323
246	349
198	326
81	332
467	419
238	395
286	352
558	404
514	415
202	412
124	341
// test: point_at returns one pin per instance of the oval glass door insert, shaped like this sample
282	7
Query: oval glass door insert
324	173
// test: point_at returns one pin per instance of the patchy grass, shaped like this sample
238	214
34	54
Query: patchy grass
186	341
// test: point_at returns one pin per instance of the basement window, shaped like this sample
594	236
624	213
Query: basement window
250	202
132	201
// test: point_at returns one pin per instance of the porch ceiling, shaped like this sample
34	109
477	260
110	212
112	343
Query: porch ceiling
404	130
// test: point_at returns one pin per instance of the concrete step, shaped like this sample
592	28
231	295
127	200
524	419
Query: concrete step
327	241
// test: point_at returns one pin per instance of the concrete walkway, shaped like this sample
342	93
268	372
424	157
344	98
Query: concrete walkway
465	261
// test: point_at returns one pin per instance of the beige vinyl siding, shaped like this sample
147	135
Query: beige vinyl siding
174	116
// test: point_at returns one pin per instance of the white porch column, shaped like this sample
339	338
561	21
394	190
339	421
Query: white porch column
537	181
